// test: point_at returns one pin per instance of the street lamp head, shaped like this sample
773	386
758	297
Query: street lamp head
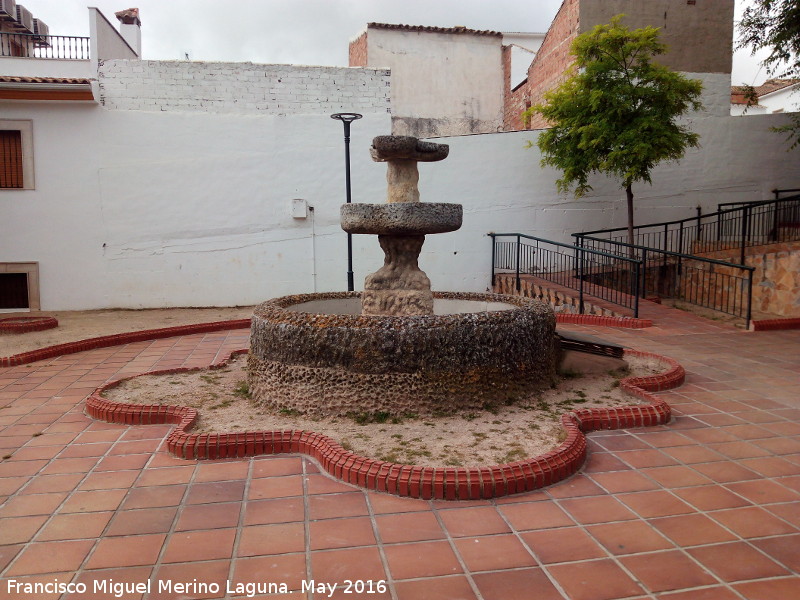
346	117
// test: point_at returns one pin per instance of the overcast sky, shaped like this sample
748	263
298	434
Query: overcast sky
306	32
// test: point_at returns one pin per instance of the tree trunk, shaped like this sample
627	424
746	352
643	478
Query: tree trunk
631	240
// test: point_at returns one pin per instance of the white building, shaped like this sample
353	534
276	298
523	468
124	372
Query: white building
773	96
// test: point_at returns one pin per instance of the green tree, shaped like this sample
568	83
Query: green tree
774	25
617	114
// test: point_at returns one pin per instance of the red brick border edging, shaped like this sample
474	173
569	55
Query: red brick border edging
27	324
627	322
118	339
776	324
449	483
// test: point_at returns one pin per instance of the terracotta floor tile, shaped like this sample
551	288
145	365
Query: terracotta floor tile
95	500
692	530
69	465
284	568
640	459
601	509
193	546
601	462
536	515
221	471
655	504
283	538
594	580
217	491
165	476
330	506
75	526
474	521
764	492
788	512
109	481
273	466
38	579
578	485
53	483
209	516
736	561
751	521
50	557
779	445
148	520
618	443
126	551
663	571
624	481
707	593
277	487
562	545
676	477
32	504
154	496
516	585
277	510
213	572
726	471
711	497
768	590
738	450
783	549
771	466
493	552
84	450
17	530
323	484
384	503
421	559
664	439
341	533
123	462
334	566
455	587
629	537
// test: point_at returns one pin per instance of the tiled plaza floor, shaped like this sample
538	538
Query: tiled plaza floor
704	508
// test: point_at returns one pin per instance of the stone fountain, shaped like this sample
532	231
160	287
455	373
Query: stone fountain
399	348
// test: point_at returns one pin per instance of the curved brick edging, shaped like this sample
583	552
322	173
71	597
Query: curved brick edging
627	322
465	483
119	339
776	324
27	324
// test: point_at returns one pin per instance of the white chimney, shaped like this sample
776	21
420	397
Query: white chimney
130	28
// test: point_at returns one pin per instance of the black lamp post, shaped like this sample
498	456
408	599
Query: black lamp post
346	119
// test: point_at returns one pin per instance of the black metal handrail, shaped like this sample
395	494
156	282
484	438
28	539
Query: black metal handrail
604	275
698	280
29	45
745	225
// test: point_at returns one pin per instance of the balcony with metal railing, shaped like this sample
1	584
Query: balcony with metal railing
29	45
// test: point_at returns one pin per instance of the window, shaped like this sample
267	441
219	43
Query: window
16	155
10	158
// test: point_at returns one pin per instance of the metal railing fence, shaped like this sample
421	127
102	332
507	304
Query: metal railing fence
737	226
29	45
603	275
705	282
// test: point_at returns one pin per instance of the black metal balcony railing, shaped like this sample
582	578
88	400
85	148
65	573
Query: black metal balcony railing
603	275
28	45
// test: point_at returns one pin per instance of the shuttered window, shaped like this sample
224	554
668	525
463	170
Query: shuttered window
10	159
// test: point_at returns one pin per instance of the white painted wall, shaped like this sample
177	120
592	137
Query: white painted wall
106	41
503	189
146	209
454	81
785	100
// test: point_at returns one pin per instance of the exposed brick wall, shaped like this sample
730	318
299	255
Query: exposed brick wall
549	68
188	86
514	101
358	51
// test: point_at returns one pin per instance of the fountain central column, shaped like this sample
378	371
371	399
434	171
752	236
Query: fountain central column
400	287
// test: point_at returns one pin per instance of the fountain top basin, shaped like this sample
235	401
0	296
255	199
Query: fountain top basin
406	218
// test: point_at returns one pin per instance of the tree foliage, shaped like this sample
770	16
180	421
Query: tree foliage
774	25
617	114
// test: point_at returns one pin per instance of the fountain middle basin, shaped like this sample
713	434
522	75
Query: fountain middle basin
315	353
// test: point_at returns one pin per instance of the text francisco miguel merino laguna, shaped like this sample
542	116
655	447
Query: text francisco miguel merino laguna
117	589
